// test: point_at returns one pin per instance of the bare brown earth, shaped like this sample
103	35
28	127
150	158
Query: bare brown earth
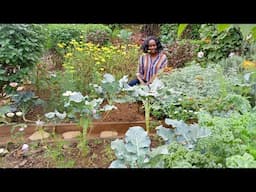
124	112
54	153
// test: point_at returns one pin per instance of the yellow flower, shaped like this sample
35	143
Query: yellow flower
198	77
248	64
207	40
79	49
102	69
60	45
69	55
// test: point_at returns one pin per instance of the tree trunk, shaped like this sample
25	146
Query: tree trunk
150	29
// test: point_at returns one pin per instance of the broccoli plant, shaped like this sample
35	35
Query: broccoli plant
183	133
110	87
147	94
238	161
135	152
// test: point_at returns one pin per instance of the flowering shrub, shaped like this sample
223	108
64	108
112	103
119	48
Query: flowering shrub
87	62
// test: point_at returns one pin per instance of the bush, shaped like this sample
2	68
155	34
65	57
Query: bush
98	37
62	35
180	53
98	34
21	46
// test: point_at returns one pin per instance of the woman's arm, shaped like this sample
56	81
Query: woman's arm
138	75
140	71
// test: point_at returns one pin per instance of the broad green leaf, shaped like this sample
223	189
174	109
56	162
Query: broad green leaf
137	139
181	28
117	164
5	109
108	78
222	27
119	147
246	29
167	134
60	115
49	115
254	32
76	97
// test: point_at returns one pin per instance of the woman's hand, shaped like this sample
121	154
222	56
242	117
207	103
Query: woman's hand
140	79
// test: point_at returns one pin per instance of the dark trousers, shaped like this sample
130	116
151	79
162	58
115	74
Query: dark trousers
135	82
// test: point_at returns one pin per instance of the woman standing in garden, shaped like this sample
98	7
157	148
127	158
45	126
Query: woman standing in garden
151	62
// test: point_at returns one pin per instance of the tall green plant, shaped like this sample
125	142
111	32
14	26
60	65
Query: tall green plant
181	28
21	46
146	94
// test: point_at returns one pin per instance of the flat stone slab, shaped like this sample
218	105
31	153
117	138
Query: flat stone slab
107	134
3	152
39	135
71	134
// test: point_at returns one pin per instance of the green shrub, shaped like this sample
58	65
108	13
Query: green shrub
62	35
21	46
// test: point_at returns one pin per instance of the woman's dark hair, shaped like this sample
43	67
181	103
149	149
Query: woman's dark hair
144	46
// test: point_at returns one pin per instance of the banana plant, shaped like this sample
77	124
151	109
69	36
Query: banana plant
181	28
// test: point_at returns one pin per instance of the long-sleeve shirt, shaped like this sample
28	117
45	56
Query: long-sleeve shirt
148	67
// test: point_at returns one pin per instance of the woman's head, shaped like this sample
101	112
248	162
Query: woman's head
152	45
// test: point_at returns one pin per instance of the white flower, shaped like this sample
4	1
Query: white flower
39	123
10	114
3	151
20	88
231	54
52	74
25	147
87	102
21	129
19	113
200	54
109	107
13	84
249	37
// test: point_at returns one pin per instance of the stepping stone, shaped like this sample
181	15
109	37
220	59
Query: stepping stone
39	135
3	152
71	134
107	134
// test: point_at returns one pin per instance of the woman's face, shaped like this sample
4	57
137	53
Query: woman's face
152	46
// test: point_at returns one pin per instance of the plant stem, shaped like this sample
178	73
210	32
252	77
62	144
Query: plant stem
147	113
84	122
